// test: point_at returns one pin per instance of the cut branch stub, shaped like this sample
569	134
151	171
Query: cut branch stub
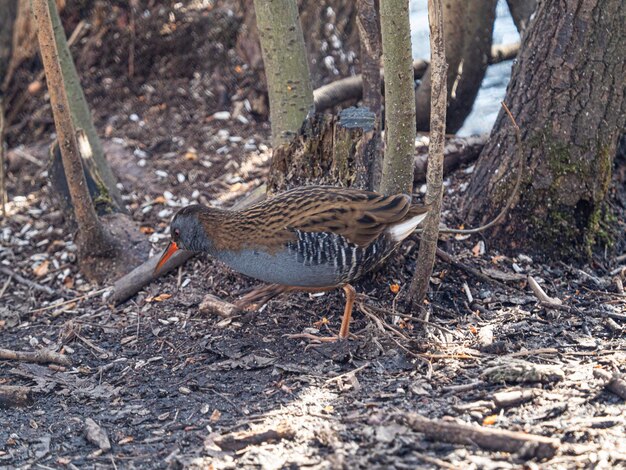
332	150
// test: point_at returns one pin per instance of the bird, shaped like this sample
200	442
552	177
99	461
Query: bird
311	238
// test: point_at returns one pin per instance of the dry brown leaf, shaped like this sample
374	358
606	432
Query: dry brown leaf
68	282
479	248
490	420
394	288
42	269
145	229
215	416
161	297
159	200
126	440
319	323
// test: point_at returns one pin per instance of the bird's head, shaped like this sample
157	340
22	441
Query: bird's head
187	232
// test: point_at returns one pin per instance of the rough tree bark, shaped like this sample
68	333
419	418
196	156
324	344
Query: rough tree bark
399	97
329	149
466	72
369	34
521	11
286	66
567	94
434	176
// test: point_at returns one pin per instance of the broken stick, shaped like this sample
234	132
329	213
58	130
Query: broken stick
527	445
241	440
215	306
42	356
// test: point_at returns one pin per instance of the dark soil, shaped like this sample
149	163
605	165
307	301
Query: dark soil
167	383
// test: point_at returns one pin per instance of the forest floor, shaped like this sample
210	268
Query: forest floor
170	386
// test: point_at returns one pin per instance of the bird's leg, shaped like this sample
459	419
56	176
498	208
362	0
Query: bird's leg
347	312
344	332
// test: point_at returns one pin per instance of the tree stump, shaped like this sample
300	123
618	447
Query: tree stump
328	150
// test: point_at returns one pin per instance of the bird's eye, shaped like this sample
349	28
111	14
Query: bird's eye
176	233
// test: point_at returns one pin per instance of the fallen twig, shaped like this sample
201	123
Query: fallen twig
214	305
541	294
27	282
13	395
448	258
67	302
42	356
614	383
526	445
522	372
351	88
457	151
347	374
241	440
127	286
510	398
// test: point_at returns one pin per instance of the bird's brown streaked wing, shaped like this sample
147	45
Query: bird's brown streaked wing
359	216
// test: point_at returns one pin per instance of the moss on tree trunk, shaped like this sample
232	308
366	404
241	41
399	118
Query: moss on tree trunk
567	95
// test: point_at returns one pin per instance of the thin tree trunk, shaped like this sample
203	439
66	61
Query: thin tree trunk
399	97
81	115
286	67
567	95
369	33
434	175
521	11
92	238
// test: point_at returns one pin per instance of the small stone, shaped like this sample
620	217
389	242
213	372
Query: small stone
222	115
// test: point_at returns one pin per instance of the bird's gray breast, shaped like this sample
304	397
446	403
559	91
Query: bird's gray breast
314	259
280	267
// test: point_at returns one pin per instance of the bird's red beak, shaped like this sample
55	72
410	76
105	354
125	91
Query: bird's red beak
167	254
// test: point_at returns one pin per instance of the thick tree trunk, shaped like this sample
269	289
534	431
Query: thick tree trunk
567	95
466	73
399	97
287	69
